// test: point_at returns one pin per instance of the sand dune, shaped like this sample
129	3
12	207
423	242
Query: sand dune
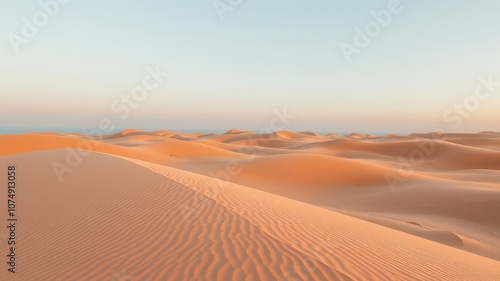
247	206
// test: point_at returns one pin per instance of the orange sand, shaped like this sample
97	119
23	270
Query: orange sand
244	206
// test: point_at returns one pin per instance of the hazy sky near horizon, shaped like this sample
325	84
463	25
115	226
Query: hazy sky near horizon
263	56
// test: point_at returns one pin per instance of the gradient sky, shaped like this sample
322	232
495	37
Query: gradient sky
263	55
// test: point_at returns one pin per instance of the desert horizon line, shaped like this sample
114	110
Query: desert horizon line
96	131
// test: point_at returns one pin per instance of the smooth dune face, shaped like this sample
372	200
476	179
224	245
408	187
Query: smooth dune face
245	206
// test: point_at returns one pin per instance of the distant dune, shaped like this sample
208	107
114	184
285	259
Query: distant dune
247	206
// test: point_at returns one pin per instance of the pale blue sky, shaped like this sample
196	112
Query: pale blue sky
263	55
